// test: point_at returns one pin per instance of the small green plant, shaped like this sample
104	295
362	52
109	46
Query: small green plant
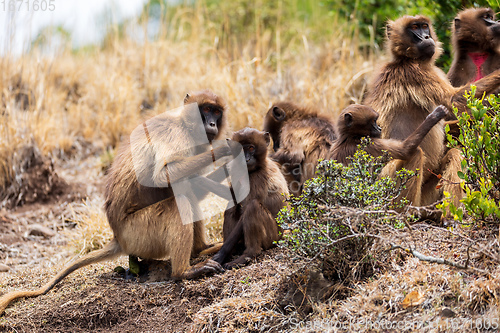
337	217
479	141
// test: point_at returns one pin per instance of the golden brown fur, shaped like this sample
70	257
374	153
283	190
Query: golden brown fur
301	136
474	32
146	221
404	93
357	121
253	221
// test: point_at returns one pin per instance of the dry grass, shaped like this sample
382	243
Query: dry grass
100	95
92	230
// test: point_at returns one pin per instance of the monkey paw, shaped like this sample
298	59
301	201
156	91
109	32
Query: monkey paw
440	112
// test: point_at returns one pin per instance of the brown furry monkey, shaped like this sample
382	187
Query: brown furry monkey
253	222
147	220
407	88
358	121
476	39
300	136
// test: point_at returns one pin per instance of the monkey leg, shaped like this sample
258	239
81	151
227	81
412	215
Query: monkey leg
259	232
413	188
450	166
182	240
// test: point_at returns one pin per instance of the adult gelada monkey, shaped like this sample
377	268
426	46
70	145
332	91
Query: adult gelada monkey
147	221
476	39
407	88
253	221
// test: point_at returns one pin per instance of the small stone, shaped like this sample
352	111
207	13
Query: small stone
4	268
447	313
40	230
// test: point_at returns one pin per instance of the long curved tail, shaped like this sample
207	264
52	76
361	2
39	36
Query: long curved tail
109	252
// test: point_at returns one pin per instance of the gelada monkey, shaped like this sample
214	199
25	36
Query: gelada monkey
252	223
475	39
406	90
300	136
147	221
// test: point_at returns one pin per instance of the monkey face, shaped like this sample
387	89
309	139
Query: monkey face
250	157
212	115
254	143
493	26
420	34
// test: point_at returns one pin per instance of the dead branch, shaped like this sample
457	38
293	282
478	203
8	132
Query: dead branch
441	261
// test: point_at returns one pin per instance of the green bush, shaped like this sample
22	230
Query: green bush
479	140
337	217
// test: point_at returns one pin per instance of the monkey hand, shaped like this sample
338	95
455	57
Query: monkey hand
439	112
227	148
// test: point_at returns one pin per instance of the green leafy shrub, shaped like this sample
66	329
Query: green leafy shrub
479	140
338	216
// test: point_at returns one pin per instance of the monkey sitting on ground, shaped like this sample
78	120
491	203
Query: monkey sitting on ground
476	39
358	121
407	89
300	136
147	222
253	221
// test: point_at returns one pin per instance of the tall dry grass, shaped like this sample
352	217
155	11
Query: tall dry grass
100	94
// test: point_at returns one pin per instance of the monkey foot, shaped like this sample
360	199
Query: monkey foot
237	263
207	267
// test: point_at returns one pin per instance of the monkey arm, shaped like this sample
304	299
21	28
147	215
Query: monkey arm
171	172
486	85
229	243
217	175
205	185
403	150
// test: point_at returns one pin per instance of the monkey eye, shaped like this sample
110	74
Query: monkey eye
425	26
414	27
206	109
251	149
217	112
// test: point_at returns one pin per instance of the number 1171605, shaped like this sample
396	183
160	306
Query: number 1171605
27	5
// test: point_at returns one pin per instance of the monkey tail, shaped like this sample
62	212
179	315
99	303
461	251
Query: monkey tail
110	251
211	250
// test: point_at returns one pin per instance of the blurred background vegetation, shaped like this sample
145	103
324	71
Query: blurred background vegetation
58	96
284	20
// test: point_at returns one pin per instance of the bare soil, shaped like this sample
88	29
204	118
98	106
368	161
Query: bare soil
275	293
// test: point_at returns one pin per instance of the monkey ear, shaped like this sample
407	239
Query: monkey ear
267	137
278	113
186	99
457	24
348	119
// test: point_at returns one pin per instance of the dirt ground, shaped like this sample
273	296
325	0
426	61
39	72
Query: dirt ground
95	298
265	296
